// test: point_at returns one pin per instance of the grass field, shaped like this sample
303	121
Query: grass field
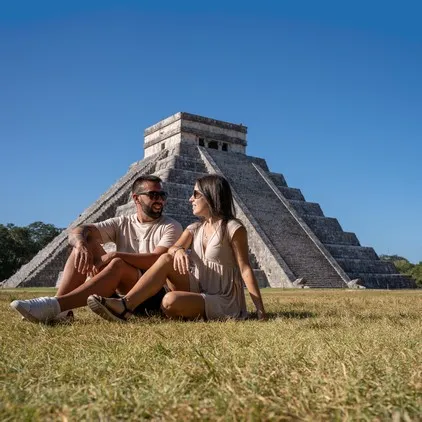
323	355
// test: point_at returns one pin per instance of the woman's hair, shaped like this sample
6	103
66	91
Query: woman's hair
217	193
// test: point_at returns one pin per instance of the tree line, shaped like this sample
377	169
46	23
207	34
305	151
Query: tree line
18	245
405	267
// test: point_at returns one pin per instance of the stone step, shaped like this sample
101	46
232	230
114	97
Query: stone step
328	230
184	220
178	162
261	162
178	190
277	178
304	208
322	224
178	206
291	193
351	251
366	266
179	176
338	238
384	281
126	209
185	150
323	284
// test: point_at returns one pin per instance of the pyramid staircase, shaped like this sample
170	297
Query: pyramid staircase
313	246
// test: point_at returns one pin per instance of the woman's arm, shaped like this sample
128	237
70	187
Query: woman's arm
240	249
178	251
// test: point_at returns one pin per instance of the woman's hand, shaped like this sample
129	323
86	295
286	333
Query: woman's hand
181	261
262	316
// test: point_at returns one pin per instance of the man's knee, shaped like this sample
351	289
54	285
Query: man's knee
116	264
165	259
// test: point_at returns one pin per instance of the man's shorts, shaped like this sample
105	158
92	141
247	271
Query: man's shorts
151	306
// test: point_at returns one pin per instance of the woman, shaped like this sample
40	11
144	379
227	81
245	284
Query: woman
213	287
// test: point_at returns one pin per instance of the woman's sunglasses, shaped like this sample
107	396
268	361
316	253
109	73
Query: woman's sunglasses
154	195
196	194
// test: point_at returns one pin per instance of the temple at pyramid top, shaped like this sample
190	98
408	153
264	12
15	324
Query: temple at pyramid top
190	129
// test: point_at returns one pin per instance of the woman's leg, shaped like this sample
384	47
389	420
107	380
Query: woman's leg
153	279
150	283
183	305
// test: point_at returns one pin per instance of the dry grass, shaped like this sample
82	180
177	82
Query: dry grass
324	355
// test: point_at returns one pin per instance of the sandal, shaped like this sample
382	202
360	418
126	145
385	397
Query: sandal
98	304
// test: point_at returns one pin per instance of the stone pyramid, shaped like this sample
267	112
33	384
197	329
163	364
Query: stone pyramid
292	243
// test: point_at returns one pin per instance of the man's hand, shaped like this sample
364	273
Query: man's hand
84	259
80	238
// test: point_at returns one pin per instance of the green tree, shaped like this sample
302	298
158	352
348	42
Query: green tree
405	267
416	273
392	258
19	244
7	257
42	234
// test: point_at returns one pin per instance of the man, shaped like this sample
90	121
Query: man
140	239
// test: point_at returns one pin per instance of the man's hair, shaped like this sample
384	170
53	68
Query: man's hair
137	186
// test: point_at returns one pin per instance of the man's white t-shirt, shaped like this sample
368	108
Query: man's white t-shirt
131	236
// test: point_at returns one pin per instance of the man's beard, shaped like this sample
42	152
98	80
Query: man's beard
150	212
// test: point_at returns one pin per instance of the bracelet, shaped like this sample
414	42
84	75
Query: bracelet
178	249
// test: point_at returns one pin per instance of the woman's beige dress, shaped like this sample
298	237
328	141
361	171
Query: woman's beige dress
215	273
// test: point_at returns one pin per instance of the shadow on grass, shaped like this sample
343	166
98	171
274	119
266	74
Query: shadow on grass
159	319
286	315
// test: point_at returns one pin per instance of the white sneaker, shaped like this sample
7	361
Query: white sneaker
40	309
65	317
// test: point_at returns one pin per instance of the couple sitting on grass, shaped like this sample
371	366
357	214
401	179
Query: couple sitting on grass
147	273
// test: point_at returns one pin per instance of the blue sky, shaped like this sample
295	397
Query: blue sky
331	93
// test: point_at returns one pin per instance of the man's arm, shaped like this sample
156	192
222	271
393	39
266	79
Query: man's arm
80	238
140	260
83	234
144	261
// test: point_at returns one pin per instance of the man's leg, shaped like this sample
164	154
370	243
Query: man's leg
71	278
117	275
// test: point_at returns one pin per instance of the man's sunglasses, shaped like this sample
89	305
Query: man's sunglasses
155	195
196	194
